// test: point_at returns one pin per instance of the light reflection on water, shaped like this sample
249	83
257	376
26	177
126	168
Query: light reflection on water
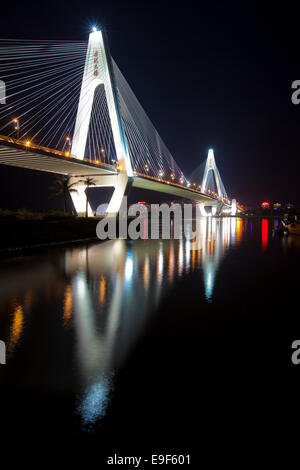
89	304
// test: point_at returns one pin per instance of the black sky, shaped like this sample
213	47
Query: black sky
209	74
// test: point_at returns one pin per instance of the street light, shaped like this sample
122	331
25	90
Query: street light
68	143
17	127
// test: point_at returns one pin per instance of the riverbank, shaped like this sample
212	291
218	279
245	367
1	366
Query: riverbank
16	234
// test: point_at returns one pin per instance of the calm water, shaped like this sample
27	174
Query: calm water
150	337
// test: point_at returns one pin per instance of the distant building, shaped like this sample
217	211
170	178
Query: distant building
289	205
277	205
265	205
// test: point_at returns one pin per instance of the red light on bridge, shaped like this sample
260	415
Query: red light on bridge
142	202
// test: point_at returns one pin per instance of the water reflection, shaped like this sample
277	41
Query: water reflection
16	328
67	305
102	290
264	234
91	303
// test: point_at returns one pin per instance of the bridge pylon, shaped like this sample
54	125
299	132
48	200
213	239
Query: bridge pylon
211	166
98	71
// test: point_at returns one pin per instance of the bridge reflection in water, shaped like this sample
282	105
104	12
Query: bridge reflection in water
90	304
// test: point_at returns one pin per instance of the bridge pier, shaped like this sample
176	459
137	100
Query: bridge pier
220	207
204	212
233	207
121	184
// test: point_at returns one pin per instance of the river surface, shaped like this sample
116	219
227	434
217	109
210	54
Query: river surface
151	341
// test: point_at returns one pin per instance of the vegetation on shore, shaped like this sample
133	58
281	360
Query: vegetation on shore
62	186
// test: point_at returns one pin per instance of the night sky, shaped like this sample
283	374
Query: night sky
208	74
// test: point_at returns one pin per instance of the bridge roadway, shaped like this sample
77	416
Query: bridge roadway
24	154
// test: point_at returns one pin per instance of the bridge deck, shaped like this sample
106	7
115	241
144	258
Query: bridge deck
174	189
33	157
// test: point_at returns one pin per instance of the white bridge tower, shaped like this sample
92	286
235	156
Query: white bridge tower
97	71
211	166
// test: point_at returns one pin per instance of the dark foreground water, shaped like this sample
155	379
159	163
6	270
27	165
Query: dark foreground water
154	345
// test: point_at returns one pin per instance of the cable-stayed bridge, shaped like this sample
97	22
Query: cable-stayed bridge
70	111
